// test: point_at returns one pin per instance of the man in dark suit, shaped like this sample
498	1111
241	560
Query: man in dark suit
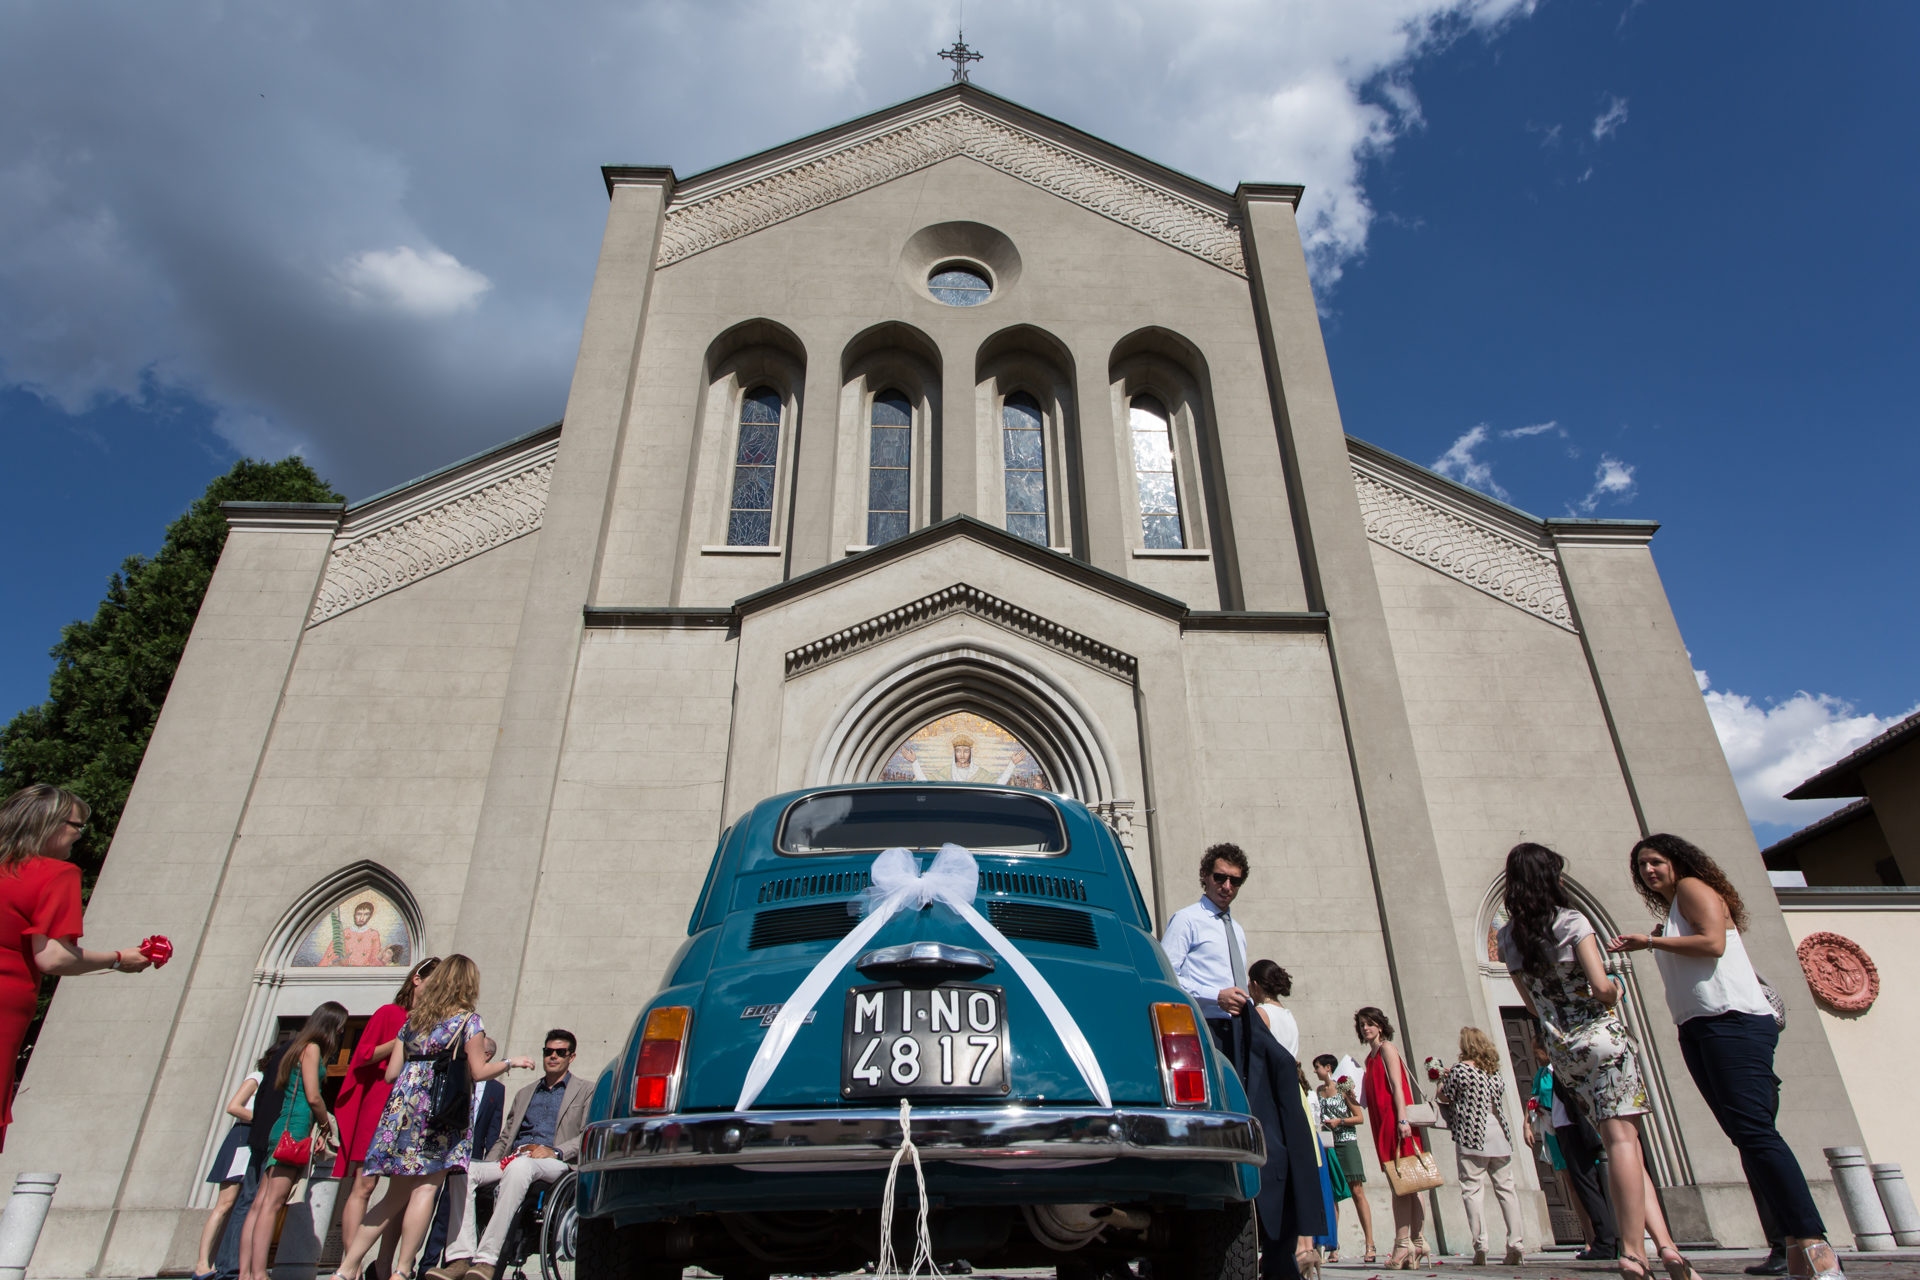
1289	1204
538	1143
488	1101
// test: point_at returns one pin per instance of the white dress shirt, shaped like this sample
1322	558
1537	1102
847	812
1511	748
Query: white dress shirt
1196	945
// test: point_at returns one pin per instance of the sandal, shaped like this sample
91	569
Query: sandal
1678	1268
1633	1269
1369	1258
1827	1268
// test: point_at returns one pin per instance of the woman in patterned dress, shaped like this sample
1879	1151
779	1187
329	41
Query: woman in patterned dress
1470	1098
415	1158
1554	958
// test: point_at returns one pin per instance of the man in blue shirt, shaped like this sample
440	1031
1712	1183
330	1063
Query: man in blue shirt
540	1139
1207	946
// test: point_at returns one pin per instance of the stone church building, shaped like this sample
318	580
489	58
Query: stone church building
950	422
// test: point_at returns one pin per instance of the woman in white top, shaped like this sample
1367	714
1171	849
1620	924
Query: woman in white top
1270	982
1727	1031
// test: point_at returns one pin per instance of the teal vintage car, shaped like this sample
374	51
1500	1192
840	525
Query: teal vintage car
1033	1156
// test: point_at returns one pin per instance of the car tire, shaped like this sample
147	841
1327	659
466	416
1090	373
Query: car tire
603	1251
1215	1244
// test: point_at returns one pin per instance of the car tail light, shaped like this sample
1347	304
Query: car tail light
1183	1059
663	1044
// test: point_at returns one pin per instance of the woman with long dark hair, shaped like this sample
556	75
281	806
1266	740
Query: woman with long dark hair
303	1123
1554	958
1389	1093
1727	1031
363	1096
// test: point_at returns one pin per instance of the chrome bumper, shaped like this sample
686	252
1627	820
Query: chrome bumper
969	1134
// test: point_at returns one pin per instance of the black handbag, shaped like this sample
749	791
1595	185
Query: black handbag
450	1090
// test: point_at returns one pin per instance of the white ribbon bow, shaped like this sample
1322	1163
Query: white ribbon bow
898	884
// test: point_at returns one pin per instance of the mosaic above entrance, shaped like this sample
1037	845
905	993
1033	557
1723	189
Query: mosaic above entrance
363	930
964	747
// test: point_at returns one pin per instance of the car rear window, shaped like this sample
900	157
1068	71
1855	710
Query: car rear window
922	818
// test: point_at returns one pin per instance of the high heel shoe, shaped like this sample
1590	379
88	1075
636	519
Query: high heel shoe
1633	1269
1806	1262
1369	1258
1678	1268
1420	1252
1308	1264
1401	1259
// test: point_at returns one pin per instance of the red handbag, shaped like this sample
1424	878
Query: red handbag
287	1151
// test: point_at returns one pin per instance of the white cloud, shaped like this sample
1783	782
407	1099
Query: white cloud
1611	479
1608	122
1537	429
434	283
1460	463
1773	748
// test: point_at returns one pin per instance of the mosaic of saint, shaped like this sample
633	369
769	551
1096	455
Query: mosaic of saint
362	930
964	747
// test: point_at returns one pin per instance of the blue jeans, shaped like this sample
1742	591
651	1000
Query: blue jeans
1730	1057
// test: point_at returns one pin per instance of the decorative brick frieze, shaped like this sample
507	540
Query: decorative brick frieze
701	218
1493	549
964	599
418	532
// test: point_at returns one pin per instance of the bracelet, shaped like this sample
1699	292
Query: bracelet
115	965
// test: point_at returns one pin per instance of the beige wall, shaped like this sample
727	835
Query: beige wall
1874	1050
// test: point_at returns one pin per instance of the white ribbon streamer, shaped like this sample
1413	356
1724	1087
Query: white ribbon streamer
897	884
886	1265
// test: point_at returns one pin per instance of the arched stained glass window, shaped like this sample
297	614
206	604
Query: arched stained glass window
750	513
889	468
1153	471
1024	450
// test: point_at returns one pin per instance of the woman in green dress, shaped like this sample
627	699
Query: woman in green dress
1340	1116
303	1115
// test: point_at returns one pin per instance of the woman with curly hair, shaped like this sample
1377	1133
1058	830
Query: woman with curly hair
1554	958
1727	1031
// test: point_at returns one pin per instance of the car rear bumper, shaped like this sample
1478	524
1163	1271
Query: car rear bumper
848	1137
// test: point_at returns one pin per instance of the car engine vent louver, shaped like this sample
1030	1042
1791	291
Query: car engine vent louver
1033	885
812	923
818	884
1043	924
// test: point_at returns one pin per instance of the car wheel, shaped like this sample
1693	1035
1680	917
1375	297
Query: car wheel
603	1251
1215	1244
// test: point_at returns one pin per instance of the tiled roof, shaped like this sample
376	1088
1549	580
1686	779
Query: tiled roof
1842	777
1778	856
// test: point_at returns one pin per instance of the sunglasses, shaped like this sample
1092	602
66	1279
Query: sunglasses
559	1053
1235	881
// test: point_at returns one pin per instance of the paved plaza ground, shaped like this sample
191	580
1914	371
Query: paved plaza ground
1560	1265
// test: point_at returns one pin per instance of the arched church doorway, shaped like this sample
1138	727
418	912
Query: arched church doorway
1666	1157
352	937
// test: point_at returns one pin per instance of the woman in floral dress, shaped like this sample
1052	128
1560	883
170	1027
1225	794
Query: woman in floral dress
414	1157
1554	958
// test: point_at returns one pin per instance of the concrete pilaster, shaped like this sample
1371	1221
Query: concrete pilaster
1101	483
1431	986
811	543
97	1069
1678	778
510	840
957	488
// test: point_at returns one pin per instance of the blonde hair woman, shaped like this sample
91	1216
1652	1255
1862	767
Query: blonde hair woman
40	915
415	1157
1470	1095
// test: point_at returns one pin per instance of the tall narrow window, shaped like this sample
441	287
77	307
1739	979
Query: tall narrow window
889	468
1023	447
1153	472
750	513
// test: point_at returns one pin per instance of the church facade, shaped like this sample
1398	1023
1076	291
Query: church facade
949	442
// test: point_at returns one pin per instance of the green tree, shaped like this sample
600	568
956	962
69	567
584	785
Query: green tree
111	675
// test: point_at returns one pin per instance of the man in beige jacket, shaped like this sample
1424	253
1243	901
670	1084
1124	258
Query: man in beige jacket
540	1139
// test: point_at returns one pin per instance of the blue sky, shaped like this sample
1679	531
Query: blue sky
1636	259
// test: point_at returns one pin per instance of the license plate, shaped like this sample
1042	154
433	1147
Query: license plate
912	1041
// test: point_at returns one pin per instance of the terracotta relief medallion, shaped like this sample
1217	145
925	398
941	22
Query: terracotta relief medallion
1840	973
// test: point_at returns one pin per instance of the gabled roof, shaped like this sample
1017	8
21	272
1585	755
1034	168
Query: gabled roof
1842	777
736	199
1782	856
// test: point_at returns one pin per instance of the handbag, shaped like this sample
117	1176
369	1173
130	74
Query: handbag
1420	1113
1409	1174
287	1151
450	1091
1773	999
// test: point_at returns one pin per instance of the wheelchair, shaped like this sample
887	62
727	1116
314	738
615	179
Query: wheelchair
547	1225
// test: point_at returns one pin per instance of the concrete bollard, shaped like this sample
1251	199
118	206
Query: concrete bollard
1898	1202
20	1225
1865	1216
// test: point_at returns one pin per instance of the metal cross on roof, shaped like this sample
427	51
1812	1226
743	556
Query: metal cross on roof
960	55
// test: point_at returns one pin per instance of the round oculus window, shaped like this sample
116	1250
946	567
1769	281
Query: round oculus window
959	284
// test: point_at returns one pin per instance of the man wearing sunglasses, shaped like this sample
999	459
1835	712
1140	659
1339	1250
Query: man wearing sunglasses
539	1140
1207	946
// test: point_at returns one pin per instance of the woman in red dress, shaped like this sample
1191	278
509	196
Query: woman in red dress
40	915
363	1096
1393	1137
